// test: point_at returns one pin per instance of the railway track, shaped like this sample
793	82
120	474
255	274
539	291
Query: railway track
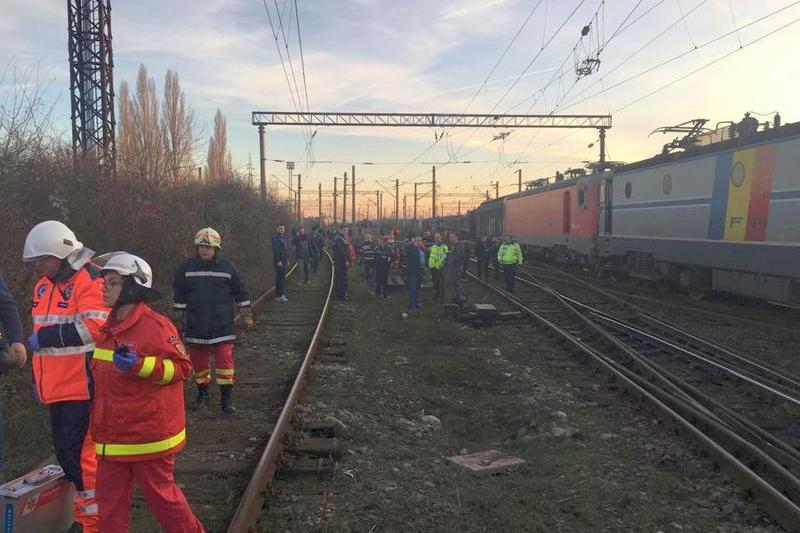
739	409
228	464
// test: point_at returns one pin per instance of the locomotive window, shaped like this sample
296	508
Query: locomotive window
666	184
737	174
582	197
628	189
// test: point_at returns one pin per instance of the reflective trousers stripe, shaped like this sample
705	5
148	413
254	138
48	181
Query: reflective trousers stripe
140	449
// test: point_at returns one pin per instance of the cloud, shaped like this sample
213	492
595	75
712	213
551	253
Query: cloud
470	10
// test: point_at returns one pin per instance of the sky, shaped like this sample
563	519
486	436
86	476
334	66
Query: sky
441	56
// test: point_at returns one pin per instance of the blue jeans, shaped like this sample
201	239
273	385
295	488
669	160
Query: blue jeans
280	281
413	292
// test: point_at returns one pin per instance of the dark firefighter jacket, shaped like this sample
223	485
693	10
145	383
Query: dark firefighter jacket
207	292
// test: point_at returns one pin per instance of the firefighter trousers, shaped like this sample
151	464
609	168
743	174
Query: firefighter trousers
74	447
200	354
156	482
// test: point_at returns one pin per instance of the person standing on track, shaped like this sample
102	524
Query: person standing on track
139	366
280	259
483	249
341	262
68	313
367	253
303	250
436	261
383	261
454	266
206	288
12	349
415	266
493	255
509	255
315	252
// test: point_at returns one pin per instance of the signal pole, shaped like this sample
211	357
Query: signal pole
320	204
299	197
344	200
263	165
353	210
519	180
335	179
415	207
433	192
396	203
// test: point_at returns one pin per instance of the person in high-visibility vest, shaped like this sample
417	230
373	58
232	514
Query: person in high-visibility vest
139	366
509	255
436	261
68	312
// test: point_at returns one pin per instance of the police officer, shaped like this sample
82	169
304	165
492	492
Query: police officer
206	289
68	313
509	255
138	422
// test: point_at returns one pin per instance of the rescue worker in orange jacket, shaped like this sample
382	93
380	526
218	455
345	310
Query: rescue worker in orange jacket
139	366
68	313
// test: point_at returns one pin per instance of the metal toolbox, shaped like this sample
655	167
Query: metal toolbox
38	502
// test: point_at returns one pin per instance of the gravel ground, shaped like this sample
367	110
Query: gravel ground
594	460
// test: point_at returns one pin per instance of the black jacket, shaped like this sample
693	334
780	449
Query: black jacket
415	260
280	251
9	314
341	252
207	291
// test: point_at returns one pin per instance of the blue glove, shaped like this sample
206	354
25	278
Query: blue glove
124	360
33	342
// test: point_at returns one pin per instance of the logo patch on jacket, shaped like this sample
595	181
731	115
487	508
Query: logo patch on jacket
67	292
41	290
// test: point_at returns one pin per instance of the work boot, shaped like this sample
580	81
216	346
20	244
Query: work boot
226	402
203	396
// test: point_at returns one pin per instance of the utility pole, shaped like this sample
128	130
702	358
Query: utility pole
497	189
459	208
344	200
433	192
299	197
378	210
320	204
263	164
415	207
405	197
519	180
396	203
290	167
335	179
602	149
353	206
200	177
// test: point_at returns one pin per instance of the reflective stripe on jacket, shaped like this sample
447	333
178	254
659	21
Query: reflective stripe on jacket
508	254
438	256
139	414
67	315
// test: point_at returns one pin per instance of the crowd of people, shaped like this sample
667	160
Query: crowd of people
440	258
110	369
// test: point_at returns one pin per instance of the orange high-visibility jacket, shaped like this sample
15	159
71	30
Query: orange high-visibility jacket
139	414
67	315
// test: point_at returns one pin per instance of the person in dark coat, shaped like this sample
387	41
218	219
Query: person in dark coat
493	258
415	266
384	254
341	262
207	287
12	350
454	267
280	259
483	250
303	252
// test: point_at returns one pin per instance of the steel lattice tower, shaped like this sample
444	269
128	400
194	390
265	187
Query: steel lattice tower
92	81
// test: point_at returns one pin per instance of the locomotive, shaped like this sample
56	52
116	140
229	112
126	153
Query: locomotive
717	210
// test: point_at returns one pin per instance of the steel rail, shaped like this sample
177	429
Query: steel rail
254	496
689	417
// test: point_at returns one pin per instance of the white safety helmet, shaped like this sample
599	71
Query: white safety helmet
50	238
126	264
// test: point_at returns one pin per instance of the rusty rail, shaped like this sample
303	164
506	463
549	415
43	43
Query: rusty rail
255	494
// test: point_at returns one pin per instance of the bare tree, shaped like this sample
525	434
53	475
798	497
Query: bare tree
220	165
177	122
127	155
149	135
